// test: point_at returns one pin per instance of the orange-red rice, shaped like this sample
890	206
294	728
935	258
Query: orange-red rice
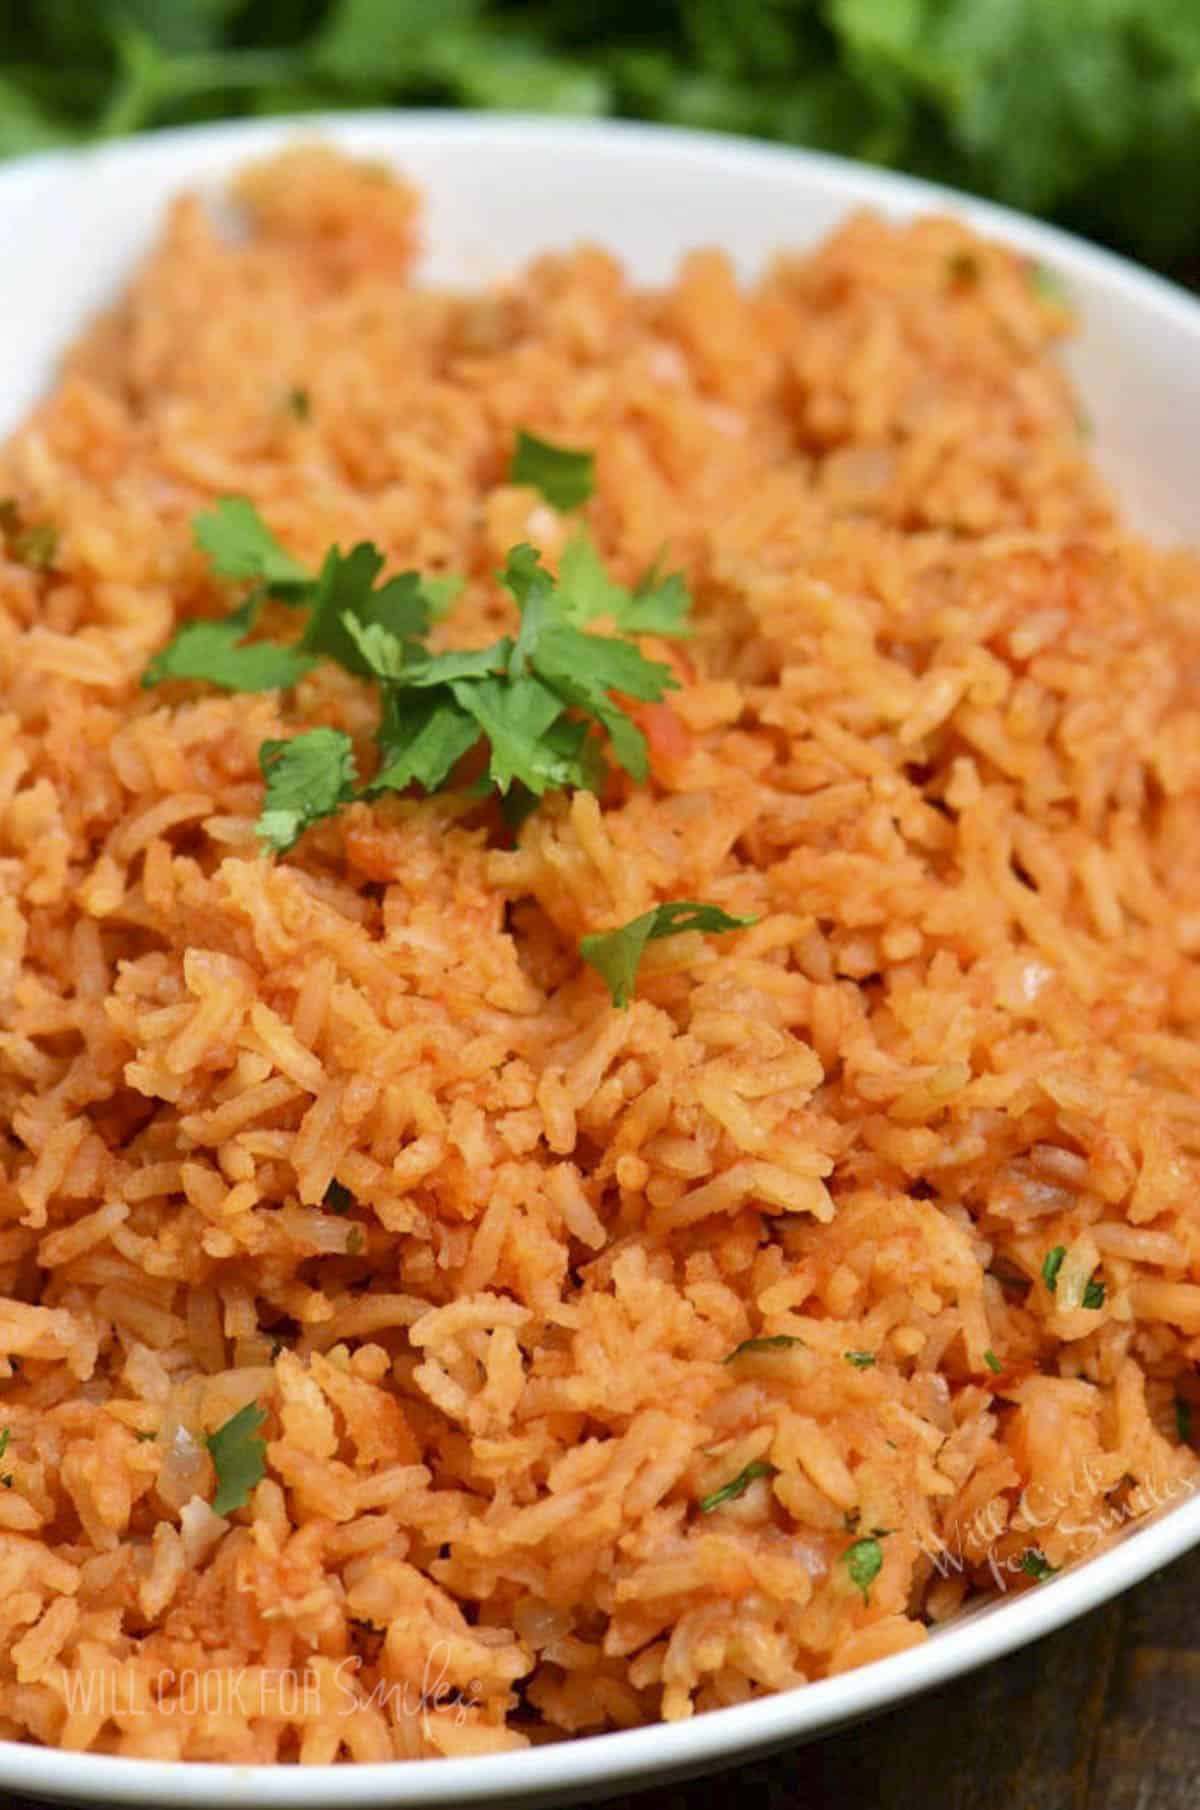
939	731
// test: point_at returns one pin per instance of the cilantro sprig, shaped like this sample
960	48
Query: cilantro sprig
615	954
542	703
239	1456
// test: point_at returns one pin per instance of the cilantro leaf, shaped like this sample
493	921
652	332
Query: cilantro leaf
516	715
240	1457
864	1561
777	1341
861	1360
1093	1294
993	1362
1051	1265
1036	1565
423	736
307	778
565	475
615	954
240	545
657	605
5	1436
219	654
737	1486
345	601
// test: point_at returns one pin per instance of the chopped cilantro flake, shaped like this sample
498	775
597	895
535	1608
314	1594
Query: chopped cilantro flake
993	1362
615	954
1093	1294
777	1341
862	1360
1036	1565
1051	1266
239	1455
737	1486
864	1561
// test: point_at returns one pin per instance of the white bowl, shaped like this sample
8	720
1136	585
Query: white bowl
497	191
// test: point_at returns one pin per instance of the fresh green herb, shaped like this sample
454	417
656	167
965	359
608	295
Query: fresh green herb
240	1457
219	654
737	1486
337	1198
5	1436
615	954
658	604
864	1561
564	474
1183	1420
298	404
778	1341
1093	1294
355	1241
993	1362
308	778
37	545
1036	1565
1051	1266
240	545
862	1360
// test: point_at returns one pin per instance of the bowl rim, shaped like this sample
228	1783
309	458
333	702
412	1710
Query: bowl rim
601	1761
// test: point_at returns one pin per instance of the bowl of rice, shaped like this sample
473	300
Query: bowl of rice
599	954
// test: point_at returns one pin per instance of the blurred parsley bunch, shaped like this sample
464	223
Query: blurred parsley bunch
1084	110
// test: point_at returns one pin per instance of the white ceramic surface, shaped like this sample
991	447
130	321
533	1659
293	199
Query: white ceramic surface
497	191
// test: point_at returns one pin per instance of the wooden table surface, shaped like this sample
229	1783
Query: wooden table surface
1103	1716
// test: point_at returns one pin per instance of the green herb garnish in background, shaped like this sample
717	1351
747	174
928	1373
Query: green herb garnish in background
240	1458
1093	1294
565	475
864	1561
777	1341
1036	1565
861	1360
993	1362
737	1486
1083	112
5	1435
615	954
